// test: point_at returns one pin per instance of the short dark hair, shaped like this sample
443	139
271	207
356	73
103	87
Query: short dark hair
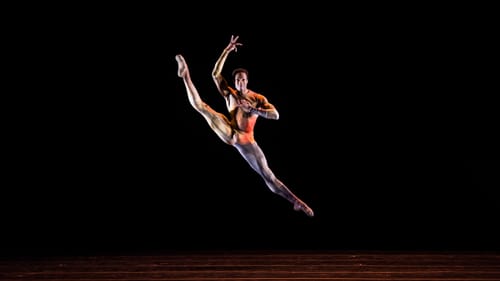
238	70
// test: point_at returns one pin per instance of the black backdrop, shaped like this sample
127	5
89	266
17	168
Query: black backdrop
105	153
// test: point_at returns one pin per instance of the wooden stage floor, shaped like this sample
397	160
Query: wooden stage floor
257	265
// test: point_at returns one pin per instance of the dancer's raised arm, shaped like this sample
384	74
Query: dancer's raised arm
219	80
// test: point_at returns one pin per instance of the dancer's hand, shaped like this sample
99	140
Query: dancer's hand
245	105
233	44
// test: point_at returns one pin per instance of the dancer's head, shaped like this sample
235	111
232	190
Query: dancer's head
240	76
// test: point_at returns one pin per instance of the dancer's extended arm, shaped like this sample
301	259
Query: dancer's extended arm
219	80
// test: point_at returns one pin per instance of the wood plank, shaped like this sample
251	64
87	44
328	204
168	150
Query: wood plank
258	265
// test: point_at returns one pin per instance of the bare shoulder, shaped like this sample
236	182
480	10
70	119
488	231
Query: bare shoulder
256	95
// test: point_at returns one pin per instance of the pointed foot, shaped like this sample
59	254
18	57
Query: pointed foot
301	206
182	66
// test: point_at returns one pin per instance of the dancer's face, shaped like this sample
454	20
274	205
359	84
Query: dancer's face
241	81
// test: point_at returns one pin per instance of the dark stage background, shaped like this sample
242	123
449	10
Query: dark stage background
379	133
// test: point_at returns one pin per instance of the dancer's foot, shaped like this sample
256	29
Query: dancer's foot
182	66
301	206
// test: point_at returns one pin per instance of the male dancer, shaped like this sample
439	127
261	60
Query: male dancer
237	130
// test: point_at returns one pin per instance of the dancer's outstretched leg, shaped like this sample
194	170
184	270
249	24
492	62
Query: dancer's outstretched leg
217	121
255	157
193	96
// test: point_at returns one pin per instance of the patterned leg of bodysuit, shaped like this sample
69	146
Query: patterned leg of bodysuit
255	157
